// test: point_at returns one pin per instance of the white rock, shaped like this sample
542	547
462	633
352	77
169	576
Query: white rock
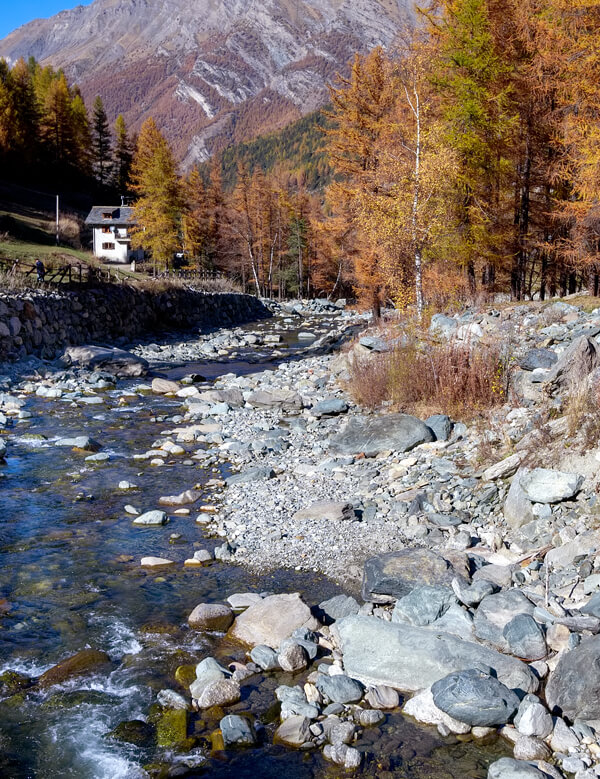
423	709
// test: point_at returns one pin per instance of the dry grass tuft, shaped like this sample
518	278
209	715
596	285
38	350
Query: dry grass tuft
582	411
157	285
452	378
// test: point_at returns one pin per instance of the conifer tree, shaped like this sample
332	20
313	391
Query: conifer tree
474	86
123	156
361	108
101	143
57	122
157	209
195	220
80	155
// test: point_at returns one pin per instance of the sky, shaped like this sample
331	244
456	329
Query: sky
14	13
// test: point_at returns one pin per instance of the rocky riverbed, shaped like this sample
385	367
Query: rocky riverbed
447	571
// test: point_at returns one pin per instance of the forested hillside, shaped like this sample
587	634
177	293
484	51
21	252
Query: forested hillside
299	149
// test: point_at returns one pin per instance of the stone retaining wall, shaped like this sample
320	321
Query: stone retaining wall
43	323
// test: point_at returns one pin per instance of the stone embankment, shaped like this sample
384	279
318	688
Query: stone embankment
43	322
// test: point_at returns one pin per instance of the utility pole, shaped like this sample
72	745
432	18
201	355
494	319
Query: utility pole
57	225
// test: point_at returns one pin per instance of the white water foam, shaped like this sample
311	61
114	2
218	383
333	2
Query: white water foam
31	668
79	743
118	638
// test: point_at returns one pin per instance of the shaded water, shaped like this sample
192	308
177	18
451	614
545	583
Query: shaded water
70	578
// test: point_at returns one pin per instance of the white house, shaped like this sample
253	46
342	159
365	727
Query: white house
110	229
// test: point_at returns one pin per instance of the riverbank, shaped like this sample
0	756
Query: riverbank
448	541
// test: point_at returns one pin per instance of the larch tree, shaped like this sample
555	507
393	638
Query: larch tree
194	220
157	208
58	131
574	39
361	108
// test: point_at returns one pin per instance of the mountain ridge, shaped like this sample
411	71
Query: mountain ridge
211	72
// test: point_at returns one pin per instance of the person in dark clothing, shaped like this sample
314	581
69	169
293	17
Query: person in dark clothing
41	270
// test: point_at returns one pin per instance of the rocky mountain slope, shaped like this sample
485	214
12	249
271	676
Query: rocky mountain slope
209	71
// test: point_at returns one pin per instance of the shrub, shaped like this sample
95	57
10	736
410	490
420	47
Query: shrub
454	378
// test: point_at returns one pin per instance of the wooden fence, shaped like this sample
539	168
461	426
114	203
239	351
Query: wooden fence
76	273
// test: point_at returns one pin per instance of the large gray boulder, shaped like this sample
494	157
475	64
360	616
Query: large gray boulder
525	638
396	574
508	768
538	358
574	365
330	407
337	607
411	658
423	605
115	361
476	698
573	688
494	614
582	545
211	616
277	398
543	485
271	620
389	432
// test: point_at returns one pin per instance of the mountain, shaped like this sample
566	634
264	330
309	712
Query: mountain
211	72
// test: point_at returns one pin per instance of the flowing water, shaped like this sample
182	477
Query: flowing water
70	578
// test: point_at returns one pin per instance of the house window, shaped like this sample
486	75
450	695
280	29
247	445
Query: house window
107	215
108	247
106	229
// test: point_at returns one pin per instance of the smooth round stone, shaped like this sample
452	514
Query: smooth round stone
533	718
152	518
531	748
339	688
371	717
507	768
211	616
475	698
340	732
223	692
101	457
382	697
525	638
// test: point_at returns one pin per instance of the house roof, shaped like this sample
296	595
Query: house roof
119	215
